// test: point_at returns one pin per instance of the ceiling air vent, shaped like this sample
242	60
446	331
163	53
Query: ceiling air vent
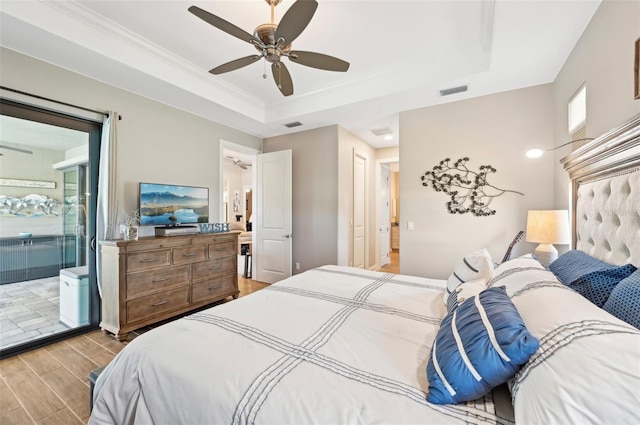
293	124
382	131
454	90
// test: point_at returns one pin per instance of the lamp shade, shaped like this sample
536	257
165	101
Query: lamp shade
548	226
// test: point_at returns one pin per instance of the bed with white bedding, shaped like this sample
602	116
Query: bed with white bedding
332	345
337	345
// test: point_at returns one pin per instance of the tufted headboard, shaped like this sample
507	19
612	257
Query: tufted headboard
605	176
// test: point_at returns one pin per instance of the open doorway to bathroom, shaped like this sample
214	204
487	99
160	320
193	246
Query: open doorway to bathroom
238	182
48	183
388	199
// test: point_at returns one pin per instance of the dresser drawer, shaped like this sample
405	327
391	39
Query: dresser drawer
151	305
211	288
148	260
155	243
212	268
222	249
189	254
154	280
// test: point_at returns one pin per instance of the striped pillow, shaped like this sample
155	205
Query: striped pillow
480	345
474	266
464	292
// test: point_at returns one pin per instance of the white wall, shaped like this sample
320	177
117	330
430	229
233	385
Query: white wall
491	130
157	143
603	58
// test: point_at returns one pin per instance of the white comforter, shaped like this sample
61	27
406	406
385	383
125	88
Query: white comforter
333	345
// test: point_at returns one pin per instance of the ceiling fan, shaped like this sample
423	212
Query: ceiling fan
239	163
273	41
15	149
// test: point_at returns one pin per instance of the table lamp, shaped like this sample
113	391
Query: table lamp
547	227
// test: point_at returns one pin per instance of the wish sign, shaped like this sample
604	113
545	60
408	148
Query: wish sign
214	227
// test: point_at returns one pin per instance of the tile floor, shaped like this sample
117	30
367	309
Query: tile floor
29	310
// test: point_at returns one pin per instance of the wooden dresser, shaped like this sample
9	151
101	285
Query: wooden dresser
155	278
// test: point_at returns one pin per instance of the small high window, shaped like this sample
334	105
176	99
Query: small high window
578	112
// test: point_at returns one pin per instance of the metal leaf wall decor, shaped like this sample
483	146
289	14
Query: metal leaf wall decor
469	191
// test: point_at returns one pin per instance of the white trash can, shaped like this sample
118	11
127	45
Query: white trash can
74	296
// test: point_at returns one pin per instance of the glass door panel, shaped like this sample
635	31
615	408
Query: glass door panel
47	271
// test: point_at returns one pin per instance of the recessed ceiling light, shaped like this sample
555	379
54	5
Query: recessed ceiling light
388	137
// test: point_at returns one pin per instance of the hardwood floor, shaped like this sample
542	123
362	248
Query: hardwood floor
50	385
394	265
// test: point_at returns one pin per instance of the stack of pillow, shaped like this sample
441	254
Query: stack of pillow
482	341
566	360
613	288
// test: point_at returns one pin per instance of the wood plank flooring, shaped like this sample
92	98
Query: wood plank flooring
394	265
50	385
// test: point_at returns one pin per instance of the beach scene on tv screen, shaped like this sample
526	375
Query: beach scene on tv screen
168	204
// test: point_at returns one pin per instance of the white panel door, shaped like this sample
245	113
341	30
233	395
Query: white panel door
273	222
359	191
385	221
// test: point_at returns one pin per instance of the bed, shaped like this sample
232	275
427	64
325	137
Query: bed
338	345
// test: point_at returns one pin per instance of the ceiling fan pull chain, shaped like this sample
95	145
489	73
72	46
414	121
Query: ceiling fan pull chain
264	69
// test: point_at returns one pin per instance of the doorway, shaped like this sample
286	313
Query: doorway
237	178
388	214
48	190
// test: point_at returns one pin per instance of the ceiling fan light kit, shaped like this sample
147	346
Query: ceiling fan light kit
274	41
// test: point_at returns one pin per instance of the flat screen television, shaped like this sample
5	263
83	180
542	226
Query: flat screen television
166	204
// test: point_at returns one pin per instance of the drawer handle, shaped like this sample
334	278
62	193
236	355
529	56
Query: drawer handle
160	280
221	249
150	260
160	303
216	267
191	254
211	288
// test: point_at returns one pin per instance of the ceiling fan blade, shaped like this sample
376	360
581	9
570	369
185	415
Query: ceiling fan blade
318	60
223	25
282	78
16	149
295	20
236	64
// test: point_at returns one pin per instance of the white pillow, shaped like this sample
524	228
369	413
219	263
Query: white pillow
474	266
586	369
464	292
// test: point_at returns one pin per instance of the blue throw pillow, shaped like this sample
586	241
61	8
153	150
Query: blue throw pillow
624	301
592	278
480	345
574	264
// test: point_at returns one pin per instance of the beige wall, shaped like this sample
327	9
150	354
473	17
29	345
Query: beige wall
315	204
491	130
603	59
157	143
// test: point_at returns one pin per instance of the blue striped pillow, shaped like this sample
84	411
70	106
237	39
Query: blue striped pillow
480	345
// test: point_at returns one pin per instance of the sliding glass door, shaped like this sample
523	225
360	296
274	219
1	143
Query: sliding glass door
48	188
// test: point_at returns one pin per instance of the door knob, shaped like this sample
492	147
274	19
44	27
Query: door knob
288	236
